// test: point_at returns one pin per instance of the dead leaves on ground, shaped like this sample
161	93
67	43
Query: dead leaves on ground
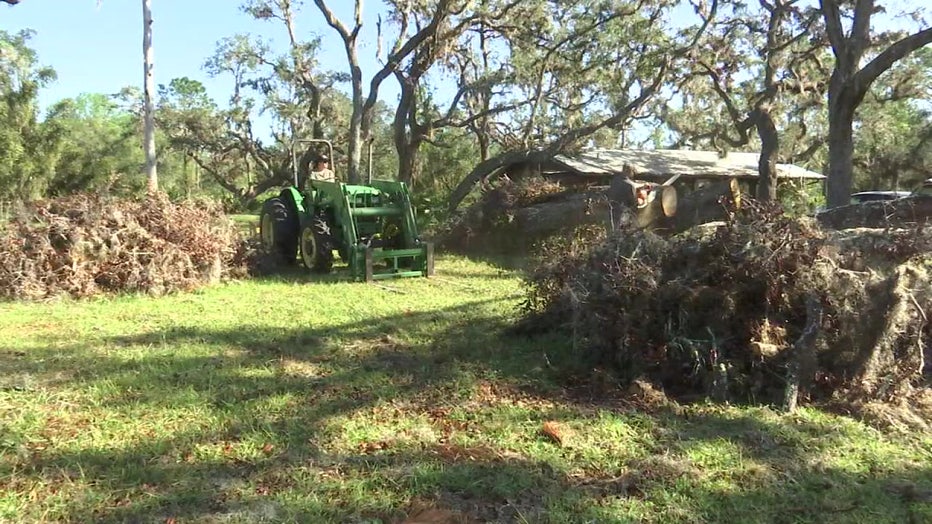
369	447
426	513
455	453
554	431
436	516
488	393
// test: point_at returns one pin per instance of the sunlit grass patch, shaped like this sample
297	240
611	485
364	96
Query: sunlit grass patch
290	399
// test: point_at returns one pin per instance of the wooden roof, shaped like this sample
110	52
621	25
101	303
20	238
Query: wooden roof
663	163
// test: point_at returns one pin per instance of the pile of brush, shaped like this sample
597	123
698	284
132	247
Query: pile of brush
759	308
85	245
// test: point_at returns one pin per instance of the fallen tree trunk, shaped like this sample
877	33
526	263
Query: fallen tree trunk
597	206
493	168
573	210
905	212
517	215
707	204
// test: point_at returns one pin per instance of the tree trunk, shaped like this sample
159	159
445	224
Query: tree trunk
405	131
357	128
149	89
840	155
186	174
483	147
407	163
355	146
482	131
875	176
767	165
849	83
542	220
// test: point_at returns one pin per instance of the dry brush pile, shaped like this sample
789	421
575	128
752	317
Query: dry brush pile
86	245
758	309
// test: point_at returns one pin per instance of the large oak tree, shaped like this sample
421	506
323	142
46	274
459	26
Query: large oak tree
759	64
851	79
573	70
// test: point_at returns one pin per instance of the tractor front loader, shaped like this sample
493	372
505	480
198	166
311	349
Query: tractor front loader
371	227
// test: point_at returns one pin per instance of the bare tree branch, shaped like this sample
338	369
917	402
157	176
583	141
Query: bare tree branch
884	61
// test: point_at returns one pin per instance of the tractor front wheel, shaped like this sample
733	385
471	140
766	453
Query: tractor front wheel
278	230
317	245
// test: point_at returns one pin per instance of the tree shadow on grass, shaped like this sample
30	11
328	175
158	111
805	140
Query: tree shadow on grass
330	370
499	259
282	397
486	485
340	273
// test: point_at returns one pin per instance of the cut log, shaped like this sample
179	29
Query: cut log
613	208
706	205
652	205
905	212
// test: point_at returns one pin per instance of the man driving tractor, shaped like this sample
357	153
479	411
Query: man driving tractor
321	170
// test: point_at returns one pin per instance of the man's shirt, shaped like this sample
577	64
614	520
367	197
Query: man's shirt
324	175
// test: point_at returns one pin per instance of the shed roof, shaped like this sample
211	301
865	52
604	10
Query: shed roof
669	162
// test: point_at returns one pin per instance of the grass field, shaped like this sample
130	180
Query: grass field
245	223
290	400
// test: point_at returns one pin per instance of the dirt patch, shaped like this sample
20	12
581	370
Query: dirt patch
456	453
761	308
639	477
426	513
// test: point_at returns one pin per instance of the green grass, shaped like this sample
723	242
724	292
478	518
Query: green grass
245	223
296	400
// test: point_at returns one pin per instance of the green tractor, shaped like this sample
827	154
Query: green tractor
371	227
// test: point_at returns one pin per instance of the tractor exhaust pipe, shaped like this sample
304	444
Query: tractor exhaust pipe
370	160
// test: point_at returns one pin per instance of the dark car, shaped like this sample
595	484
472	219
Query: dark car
925	189
873	196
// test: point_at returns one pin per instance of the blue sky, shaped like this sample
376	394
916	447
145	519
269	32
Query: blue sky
99	49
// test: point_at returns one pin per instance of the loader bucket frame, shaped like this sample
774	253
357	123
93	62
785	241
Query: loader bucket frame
373	227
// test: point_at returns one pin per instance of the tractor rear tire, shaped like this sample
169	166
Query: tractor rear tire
317	245
278	230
